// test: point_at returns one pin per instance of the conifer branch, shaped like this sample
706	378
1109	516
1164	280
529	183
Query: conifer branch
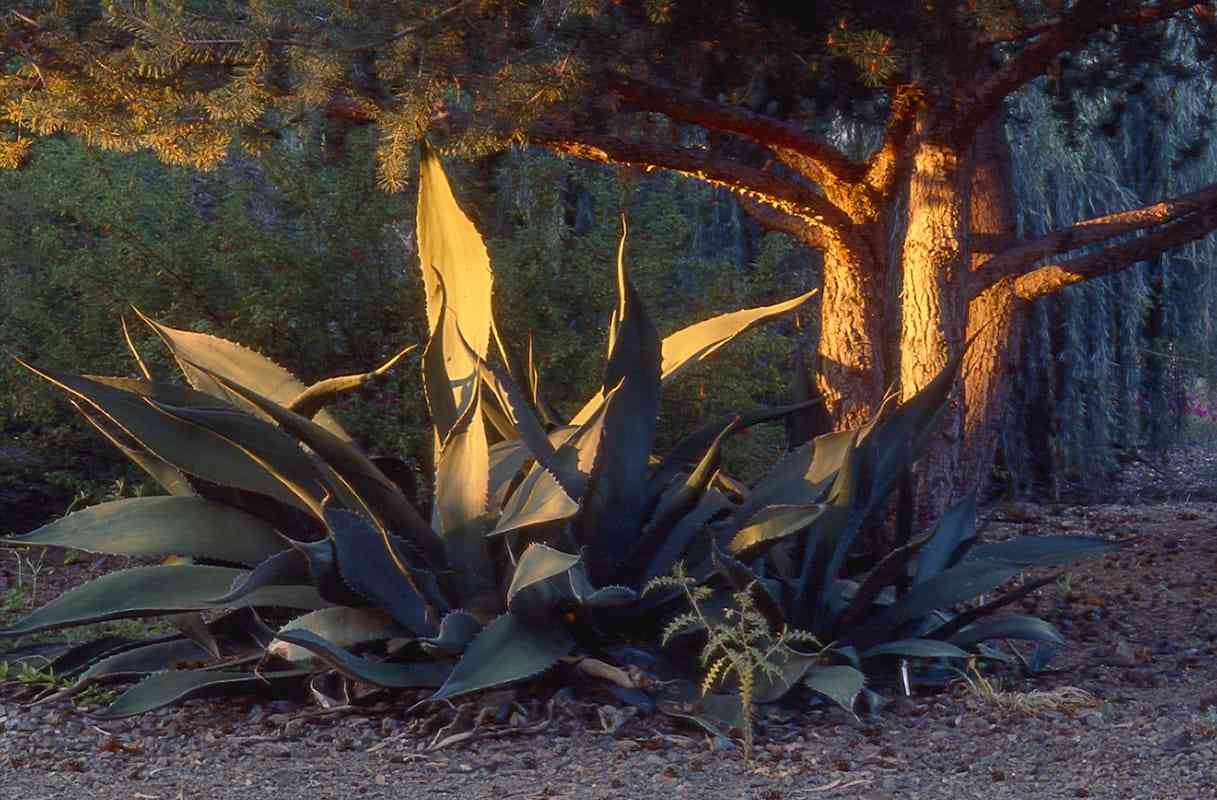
765	187
1024	258
689	107
1086	18
1050	278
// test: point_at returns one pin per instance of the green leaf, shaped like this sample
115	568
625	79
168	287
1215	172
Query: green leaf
456	630
1041	551
692	345
456	276
373	563
150	591
148	526
506	650
771	525
840	684
539	562
383	497
1009	626
949	587
418	675
189	447
916	648
770	689
341	626
237	363
287	568
165	688
955	529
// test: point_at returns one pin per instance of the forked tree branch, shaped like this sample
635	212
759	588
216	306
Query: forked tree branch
689	107
1024	258
1054	277
1086	18
765	187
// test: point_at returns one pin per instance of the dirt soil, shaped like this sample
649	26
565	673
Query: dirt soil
1143	645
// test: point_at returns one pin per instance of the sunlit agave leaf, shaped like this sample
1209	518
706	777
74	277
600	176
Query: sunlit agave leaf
149	526
238	363
694	344
341	626
456	272
538	563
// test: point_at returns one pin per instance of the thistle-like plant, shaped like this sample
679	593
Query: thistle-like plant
739	641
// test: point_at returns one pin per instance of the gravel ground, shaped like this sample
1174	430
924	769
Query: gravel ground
1144	646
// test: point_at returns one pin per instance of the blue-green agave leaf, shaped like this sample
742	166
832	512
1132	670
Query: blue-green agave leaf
507	650
1008	626
456	630
539	563
1040	551
955	530
165	688
841	684
418	675
916	648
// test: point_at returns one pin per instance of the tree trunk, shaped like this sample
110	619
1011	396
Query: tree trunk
995	317
936	254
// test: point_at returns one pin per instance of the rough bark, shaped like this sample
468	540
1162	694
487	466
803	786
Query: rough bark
995	316
935	260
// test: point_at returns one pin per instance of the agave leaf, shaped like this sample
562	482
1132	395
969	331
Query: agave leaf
150	591
418	675
955	530
1040	551
680	538
610	521
457	629
717	714
165	688
802	476
916	648
811	419
341	626
237	363
383	497
310	402
289	567
507	650
966	618
547	413
769	689
139	661
677	504
770	526
167	476
949	587
1008	626
537	501
373	563
147	526
187	446
840	684
456	275
692	345
886	573
539	562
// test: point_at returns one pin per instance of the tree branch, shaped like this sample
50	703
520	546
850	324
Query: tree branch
1073	29
1022	258
773	219
890	163
762	186
692	108
1054	277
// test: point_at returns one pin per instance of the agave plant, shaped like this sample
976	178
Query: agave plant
296	555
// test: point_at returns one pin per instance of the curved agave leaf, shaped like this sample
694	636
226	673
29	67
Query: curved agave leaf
167	476
539	563
771	525
682	537
507	650
373	564
165	688
949	587
309	403
955	530
770	689
1040	551
841	684
289	567
145	526
888	572
802	476
966	618
456	276
384	498
341	626
187	446
418	675
456	630
149	591
692	345
685	498
587	595
610	522
917	648
1009	626
237	363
